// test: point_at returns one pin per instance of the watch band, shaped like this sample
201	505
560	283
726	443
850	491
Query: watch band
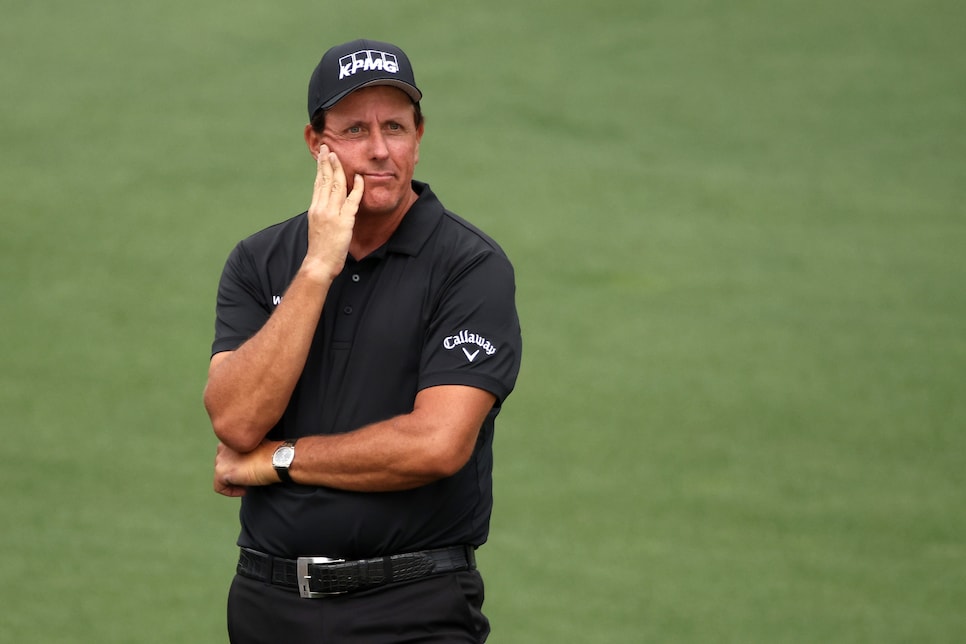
282	469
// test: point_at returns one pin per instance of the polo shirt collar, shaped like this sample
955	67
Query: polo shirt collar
419	223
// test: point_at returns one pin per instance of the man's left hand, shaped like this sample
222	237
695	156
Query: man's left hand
236	471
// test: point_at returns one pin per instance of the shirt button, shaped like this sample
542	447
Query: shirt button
355	277
347	310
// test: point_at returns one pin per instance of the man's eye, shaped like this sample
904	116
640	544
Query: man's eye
355	129
395	126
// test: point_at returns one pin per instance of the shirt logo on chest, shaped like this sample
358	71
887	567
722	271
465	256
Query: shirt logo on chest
467	340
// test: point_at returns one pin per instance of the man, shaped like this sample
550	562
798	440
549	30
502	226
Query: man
362	352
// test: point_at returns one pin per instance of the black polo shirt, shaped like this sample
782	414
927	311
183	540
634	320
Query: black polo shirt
433	306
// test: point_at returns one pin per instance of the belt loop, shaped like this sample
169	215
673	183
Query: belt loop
387	569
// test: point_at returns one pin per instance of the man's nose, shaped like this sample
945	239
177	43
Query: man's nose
377	145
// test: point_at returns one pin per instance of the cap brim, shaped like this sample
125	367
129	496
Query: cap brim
410	90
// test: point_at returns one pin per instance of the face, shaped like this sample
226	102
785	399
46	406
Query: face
373	132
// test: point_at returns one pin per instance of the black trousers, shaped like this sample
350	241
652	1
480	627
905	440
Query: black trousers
442	608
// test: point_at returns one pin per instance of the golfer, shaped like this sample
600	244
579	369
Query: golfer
362	352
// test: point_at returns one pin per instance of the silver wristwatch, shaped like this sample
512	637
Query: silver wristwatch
282	460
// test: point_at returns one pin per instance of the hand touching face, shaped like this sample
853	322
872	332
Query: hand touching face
374	135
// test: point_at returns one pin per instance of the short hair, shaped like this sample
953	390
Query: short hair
318	120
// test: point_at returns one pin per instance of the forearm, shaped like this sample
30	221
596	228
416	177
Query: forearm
249	388
376	458
432	442
392	455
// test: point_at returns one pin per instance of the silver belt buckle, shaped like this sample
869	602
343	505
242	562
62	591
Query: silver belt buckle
302	567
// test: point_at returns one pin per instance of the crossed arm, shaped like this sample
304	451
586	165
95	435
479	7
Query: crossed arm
248	389
433	441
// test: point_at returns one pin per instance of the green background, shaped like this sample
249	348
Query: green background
739	236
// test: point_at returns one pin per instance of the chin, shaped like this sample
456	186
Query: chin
376	204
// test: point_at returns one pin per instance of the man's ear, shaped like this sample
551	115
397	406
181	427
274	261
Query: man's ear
314	140
419	137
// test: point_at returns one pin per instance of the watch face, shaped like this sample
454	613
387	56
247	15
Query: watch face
283	456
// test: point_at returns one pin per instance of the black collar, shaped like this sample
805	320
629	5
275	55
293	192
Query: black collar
418	224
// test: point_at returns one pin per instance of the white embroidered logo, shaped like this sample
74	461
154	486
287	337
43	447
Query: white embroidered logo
367	60
466	337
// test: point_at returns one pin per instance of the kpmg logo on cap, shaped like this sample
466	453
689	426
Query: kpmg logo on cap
367	60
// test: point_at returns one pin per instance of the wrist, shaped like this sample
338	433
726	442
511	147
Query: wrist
282	457
319	271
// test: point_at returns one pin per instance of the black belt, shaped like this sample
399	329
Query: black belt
321	576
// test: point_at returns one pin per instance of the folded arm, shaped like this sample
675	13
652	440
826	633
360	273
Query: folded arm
432	442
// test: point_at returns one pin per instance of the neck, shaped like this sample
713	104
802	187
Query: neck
373	229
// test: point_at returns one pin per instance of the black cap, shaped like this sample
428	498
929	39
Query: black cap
360	63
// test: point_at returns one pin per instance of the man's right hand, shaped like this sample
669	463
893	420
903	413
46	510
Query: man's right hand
331	215
249	388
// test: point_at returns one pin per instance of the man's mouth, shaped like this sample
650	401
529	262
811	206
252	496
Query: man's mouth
379	176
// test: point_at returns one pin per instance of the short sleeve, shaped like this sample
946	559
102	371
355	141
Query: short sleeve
240	310
474	336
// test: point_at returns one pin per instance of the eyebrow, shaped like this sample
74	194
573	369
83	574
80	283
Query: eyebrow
399	118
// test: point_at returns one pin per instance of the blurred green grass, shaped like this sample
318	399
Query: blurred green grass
738	232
